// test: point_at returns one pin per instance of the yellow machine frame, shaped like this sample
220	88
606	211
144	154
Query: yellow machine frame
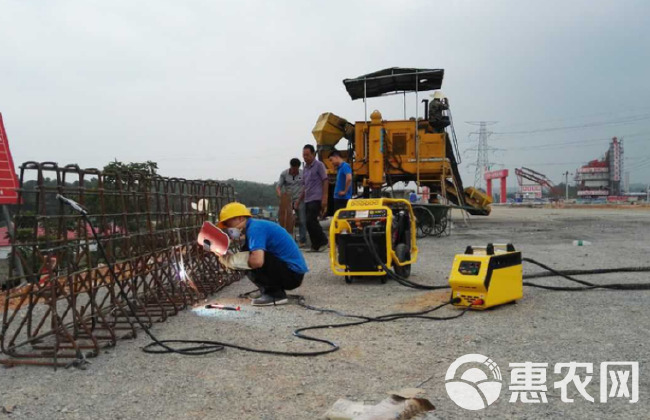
488	276
393	151
339	226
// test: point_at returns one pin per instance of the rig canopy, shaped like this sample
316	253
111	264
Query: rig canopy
394	80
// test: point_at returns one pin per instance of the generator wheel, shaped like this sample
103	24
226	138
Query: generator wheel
348	279
383	279
403	253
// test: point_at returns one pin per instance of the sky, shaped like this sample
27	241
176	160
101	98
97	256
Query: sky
232	89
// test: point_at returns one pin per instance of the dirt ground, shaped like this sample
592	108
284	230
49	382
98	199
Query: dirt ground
544	327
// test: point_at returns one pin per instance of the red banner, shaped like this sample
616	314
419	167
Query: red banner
617	198
8	178
503	173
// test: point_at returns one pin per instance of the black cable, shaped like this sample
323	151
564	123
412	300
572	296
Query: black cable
367	231
587	285
390	317
552	272
587	272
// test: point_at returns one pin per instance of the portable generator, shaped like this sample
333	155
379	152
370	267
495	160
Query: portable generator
486	276
368	229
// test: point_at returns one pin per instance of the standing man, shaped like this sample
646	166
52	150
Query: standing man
314	195
290	183
343	187
272	256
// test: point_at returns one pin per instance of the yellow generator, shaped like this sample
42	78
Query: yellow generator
371	229
487	276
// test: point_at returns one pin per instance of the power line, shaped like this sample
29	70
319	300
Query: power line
625	120
579	117
482	150
577	143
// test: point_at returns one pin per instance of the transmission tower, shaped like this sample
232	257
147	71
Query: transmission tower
483	163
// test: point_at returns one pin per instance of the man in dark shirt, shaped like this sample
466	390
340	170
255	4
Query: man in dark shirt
314	194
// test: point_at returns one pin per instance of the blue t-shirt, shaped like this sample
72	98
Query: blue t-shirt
271	237
344	169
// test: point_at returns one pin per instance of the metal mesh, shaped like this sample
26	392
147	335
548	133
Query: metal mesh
60	302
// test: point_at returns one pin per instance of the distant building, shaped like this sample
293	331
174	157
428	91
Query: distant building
602	178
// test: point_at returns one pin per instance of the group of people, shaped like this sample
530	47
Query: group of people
309	191
269	253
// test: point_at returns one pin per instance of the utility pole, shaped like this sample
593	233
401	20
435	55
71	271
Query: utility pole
482	150
566	185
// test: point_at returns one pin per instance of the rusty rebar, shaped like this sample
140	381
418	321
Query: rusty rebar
66	305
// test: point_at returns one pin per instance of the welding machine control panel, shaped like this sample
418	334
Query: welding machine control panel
469	268
363	214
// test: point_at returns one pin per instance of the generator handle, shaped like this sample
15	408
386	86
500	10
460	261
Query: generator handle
490	248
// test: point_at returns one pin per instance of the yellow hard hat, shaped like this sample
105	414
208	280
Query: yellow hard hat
231	210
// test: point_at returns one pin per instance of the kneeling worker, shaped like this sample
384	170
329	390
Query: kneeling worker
274	259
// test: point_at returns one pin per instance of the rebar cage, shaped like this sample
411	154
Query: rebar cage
60	303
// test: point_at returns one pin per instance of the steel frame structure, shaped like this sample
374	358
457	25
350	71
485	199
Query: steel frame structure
65	306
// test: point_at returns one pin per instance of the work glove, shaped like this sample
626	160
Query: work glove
238	261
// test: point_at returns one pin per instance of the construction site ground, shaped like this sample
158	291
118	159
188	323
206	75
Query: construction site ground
545	327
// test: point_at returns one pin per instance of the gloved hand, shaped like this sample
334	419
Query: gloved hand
238	261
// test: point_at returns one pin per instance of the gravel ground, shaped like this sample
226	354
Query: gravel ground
547	327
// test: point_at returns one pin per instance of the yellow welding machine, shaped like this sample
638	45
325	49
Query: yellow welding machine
486	276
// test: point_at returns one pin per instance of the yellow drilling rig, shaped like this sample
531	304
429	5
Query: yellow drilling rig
420	149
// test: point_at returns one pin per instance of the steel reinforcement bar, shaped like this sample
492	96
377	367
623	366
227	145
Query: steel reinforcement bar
60	303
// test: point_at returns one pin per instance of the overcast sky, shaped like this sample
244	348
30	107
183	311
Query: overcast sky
214	89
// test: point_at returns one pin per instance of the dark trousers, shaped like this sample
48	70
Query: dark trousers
275	276
316	235
340	203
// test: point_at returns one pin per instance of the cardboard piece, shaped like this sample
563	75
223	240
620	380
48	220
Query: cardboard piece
286	218
400	405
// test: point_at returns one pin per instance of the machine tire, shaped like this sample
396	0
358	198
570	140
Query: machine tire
403	253
348	279
383	279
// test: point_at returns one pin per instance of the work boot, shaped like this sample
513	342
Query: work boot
268	300
319	248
